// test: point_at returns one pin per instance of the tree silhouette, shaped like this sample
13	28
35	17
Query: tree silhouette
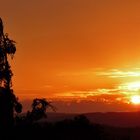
8	101
39	107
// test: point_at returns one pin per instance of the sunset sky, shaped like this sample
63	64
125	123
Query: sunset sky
76	50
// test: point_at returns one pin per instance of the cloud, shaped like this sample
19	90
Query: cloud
130	87
116	73
119	93
87	93
106	96
111	73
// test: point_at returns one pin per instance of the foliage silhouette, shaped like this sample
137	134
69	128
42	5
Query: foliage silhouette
8	101
39	107
78	128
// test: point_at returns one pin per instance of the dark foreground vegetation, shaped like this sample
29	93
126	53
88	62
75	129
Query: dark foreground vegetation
78	128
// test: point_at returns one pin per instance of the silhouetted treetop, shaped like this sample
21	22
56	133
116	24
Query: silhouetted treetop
8	101
39	107
7	47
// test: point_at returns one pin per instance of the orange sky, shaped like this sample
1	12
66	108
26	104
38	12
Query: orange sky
75	48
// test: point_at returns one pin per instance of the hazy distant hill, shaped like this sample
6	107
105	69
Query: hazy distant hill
54	117
123	119
119	119
106	126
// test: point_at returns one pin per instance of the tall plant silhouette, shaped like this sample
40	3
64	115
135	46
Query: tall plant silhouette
8	101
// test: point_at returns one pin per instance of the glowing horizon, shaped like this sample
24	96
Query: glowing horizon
76	49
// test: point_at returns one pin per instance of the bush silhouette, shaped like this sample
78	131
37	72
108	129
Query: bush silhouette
39	107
